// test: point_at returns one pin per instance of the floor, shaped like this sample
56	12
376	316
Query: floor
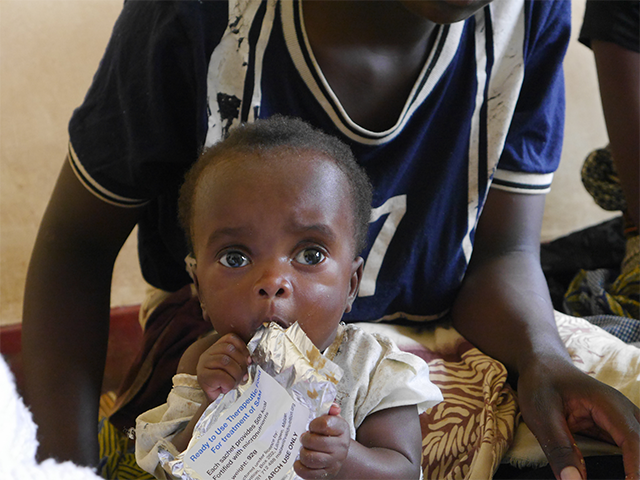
49	51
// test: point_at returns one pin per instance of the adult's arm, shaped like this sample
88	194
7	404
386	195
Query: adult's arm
505	310
66	316
619	77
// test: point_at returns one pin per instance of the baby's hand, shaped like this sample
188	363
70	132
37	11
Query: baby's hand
324	447
223	366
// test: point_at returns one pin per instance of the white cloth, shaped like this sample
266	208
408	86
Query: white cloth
377	376
18	442
600	355
156	427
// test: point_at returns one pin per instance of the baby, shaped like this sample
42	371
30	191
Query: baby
276	216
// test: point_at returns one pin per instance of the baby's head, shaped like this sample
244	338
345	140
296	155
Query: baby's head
276	215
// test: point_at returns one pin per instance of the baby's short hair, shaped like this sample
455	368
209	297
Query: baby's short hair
283	132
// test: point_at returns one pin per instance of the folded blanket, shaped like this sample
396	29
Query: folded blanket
600	355
474	428
467	434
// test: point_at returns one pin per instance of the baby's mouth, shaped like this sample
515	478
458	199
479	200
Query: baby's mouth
275	319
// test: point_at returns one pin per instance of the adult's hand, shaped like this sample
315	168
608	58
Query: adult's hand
505	310
557	399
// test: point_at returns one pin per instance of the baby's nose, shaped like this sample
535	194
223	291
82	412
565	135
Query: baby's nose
274	291
273	283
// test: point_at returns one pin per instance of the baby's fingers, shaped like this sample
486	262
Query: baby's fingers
229	350
223	366
321	456
329	425
313	460
324	447
233	346
309	474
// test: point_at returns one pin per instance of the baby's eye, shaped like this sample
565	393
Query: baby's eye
310	256
234	259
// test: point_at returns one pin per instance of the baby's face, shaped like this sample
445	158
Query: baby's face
274	242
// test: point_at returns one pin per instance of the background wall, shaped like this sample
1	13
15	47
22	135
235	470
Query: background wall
49	50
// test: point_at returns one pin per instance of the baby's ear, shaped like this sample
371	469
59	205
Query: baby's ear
190	265
354	284
192	269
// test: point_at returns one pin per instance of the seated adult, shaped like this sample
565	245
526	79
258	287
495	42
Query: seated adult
455	109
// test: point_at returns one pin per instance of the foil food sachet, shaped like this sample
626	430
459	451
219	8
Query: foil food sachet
253	431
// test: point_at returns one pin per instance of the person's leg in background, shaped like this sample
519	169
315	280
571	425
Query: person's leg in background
619	79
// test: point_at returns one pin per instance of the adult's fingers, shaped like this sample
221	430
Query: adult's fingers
602	412
582	405
560	448
544	415
619	420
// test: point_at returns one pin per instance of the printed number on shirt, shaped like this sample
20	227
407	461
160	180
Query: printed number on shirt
395	208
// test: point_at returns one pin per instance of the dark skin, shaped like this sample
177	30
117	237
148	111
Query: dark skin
372	52
66	299
369	66
505	310
619	77
81	234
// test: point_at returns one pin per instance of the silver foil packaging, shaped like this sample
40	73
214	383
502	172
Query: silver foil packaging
253	431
